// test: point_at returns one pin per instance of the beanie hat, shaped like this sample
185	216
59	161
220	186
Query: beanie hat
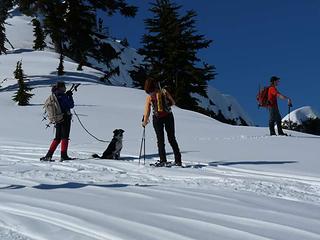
274	78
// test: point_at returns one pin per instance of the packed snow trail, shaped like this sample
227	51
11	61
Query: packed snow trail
124	200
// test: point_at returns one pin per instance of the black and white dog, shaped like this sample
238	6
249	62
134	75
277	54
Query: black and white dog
114	147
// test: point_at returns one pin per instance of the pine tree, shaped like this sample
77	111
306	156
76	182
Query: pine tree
100	25
170	48
72	25
125	42
54	22
61	67
80	21
3	49
22	96
39	41
4	8
139	75
27	6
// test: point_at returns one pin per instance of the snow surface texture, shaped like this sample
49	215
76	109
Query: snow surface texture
20	33
238	183
301	115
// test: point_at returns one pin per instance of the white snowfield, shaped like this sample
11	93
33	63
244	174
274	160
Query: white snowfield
238	183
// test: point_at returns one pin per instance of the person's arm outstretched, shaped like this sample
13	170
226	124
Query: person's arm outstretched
285	98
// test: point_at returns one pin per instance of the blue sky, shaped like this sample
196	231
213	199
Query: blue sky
252	40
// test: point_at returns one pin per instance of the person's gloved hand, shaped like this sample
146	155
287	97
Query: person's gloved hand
69	93
145	123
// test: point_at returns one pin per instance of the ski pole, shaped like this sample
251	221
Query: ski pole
74	87
143	144
289	110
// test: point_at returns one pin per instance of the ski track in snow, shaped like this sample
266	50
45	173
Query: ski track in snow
8	234
20	170
27	166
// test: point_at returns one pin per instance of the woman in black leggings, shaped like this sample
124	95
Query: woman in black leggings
161	102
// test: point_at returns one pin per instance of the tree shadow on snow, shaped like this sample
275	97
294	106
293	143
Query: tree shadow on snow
75	185
39	81
13	186
19	50
312	136
72	185
222	163
226	163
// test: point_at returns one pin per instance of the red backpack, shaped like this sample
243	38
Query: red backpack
262	97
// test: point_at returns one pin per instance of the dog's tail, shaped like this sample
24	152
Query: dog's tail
95	156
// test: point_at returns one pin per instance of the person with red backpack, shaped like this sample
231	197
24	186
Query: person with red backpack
161	101
65	101
274	113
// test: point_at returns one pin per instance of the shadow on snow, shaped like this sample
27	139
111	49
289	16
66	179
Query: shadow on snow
226	163
45	80
73	185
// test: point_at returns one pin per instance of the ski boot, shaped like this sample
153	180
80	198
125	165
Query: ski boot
47	157
65	157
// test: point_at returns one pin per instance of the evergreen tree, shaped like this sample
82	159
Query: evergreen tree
113	6
54	22
26	6
79	23
61	67
4	8
100	25
310	125
170	48
72	25
105	53
3	49
22	96
139	75
39	41
125	42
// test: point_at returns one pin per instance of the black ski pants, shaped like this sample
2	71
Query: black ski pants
159	125
63	128
275	117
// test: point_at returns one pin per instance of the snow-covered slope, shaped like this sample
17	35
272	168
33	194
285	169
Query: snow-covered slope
19	30
301	115
226	105
238	183
20	34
